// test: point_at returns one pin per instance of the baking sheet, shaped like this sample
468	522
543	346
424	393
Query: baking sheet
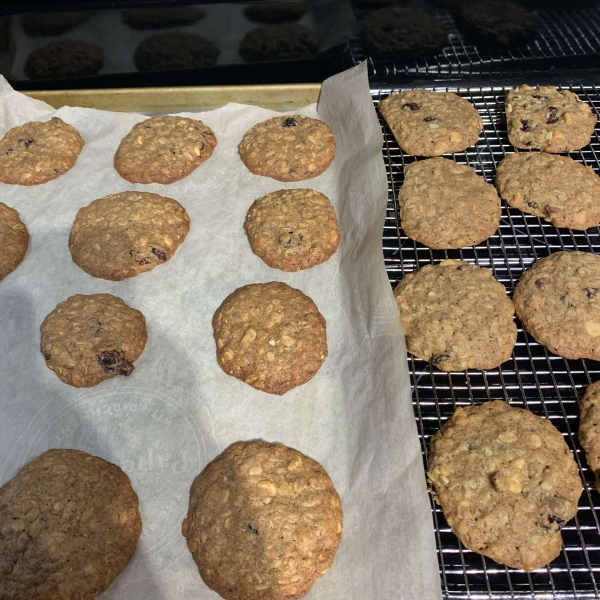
178	409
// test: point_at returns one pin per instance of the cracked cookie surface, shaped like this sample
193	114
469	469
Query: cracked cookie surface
446	205
14	240
589	428
456	316
293	229
164	149
548	119
70	524
288	148
506	481
271	336
428	123
38	151
64	58
558	303
87	339
123	235
264	522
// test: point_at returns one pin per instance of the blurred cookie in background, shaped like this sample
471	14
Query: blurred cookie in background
286	41
275	12
64	58
162	18
53	23
171	51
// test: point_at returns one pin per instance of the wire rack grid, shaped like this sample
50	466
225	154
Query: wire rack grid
533	378
573	32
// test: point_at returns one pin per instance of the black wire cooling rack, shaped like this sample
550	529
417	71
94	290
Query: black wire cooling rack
533	378
571	32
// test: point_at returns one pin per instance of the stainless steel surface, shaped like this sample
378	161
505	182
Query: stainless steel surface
548	385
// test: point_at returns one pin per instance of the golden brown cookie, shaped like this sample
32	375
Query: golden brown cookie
123	235
264	522
506	481
558	303
69	523
456	316
271	336
288	148
164	149
87	339
38	151
589	428
14	240
293	229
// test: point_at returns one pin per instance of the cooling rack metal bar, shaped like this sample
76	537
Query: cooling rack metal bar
533	378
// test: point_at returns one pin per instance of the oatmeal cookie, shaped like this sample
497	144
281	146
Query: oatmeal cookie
589	428
14	240
64	59
172	51
284	41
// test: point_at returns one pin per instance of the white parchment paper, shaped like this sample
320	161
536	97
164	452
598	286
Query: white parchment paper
178	409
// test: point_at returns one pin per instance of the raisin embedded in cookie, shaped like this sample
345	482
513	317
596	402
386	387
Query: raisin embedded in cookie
445	205
162	18
431	123
123	235
558	303
506	481
548	119
64	58
164	149
270	336
172	51
274	12
556	188
284	41
70	525
14	240
288	148
589	428
38	151
293	229
456	316
264	521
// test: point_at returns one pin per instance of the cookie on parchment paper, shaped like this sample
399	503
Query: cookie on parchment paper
88	339
293	229
123	235
172	51
556	188
558	303
264	522
14	240
548	119
506	481
164	149
589	428
64	58
162	18
70	525
456	316
38	151
428	123
288	148
284	41
271	336
446	205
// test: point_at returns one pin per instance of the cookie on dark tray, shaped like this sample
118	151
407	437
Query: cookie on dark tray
506	481
264	11
123	235
162	18
38	151
14	240
53	23
284	41
88	339
70	524
264	521
164	149
271	336
172	51
288	148
589	428
63	59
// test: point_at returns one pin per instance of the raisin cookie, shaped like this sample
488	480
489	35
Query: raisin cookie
285	41
264	522
70	525
557	302
53	23
589	428
38	151
445	205
288	148
14	240
162	18
270	336
172	51
456	316
123	235
87	339
293	229
403	32
275	12
164	149
64	58
556	188
506	481
548	119
428	123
